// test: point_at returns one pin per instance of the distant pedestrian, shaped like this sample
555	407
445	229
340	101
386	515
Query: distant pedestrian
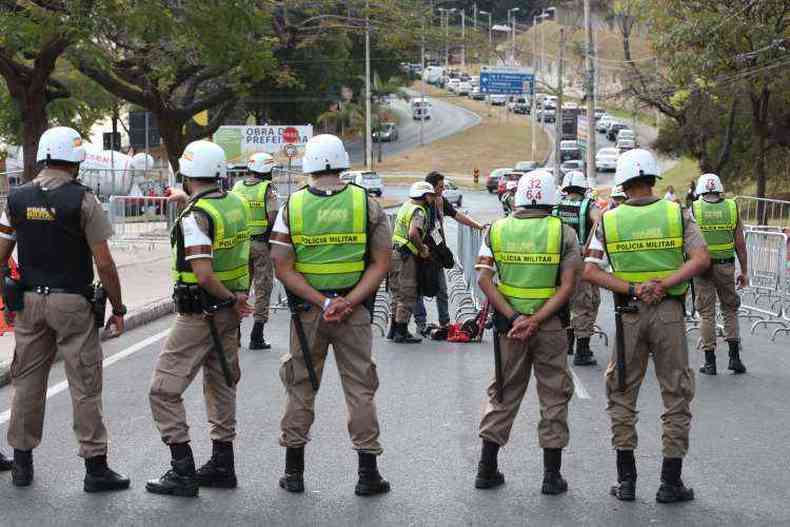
691	194
670	194
536	259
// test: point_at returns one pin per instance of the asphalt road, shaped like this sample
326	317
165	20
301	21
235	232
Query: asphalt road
429	405
446	119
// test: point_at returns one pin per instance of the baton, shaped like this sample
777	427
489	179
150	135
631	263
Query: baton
300	334
208	314
498	367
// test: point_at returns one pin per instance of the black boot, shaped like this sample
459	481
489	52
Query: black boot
5	463
180	480
391	333
709	368
402	335
584	357
370	481
625	490
672	489
571	340
553	482
293	479
22	471
257	341
218	471
488	477
99	477
735	357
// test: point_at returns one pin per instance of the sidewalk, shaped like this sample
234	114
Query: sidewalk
146	288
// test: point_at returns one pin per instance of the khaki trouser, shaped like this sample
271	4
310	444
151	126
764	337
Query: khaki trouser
261	276
50	324
546	353
661	330
718	280
351	341
188	349
403	285
584	308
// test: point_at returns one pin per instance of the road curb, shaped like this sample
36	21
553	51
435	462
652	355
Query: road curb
139	317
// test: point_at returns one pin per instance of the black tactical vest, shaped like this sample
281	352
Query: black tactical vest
52	248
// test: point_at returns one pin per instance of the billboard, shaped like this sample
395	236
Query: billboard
582	131
240	142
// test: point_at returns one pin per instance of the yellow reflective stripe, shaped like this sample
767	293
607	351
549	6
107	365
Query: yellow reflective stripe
555	236
721	246
720	227
521	258
330	268
185	277
642	276
232	274
336	238
359	210
219	224
229	243
296	208
644	245
674	221
526	293
258	223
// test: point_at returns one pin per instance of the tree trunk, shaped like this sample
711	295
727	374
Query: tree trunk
34	108
173	139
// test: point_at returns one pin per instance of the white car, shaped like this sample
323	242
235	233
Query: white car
625	144
497	100
550	102
626	133
452	193
453	85
366	179
603	123
606	159
464	88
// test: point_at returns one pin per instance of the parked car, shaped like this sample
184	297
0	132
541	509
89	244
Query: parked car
626	133
571	165
603	123
525	166
522	108
599	113
611	132
365	178
624	145
509	176
477	95
388	133
464	87
548	115
515	101
539	98
453	84
492	182
497	100
606	159
452	193
550	102
569	150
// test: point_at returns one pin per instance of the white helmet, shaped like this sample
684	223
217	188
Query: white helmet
708	183
617	192
60	144
203	160
511	185
324	152
536	188
141	161
635	163
260	163
574	178
420	189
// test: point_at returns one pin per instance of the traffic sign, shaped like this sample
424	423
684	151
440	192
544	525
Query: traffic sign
507	81
290	150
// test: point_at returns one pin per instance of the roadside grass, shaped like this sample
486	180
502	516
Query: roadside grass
679	176
627	117
499	140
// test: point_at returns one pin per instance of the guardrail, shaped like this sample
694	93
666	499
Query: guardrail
763	213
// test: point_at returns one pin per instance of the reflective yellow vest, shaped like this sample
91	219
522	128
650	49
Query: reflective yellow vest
400	234
329	235
645	242
230	244
717	222
254	194
527	255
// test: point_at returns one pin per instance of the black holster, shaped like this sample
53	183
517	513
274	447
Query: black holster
13	294
98	301
190	299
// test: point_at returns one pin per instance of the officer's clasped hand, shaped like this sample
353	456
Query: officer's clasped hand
523	328
741	281
338	309
241	306
650	292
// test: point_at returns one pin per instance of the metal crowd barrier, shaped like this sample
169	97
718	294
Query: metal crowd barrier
463	290
763	213
141	219
767	299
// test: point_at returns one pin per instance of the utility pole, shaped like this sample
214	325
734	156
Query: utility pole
658	113
558	121
368	110
474	16
463	39
532	110
590	93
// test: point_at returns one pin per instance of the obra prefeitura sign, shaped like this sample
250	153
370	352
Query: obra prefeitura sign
240	142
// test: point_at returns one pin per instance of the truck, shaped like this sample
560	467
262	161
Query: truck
432	74
569	124
420	108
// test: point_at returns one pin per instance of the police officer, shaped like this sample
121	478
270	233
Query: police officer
644	240
723	231
507	198
408	242
331	250
60	231
616	197
581	213
210	268
256	189
537	259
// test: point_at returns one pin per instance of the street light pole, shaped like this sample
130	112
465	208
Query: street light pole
463	39
368	109
511	20
490	39
590	93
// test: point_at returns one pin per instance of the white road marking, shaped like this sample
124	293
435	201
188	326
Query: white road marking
63	385
579	390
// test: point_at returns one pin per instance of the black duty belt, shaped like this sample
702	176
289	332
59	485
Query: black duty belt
720	261
46	290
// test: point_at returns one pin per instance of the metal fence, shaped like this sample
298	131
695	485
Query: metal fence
468	245
763	213
142	219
